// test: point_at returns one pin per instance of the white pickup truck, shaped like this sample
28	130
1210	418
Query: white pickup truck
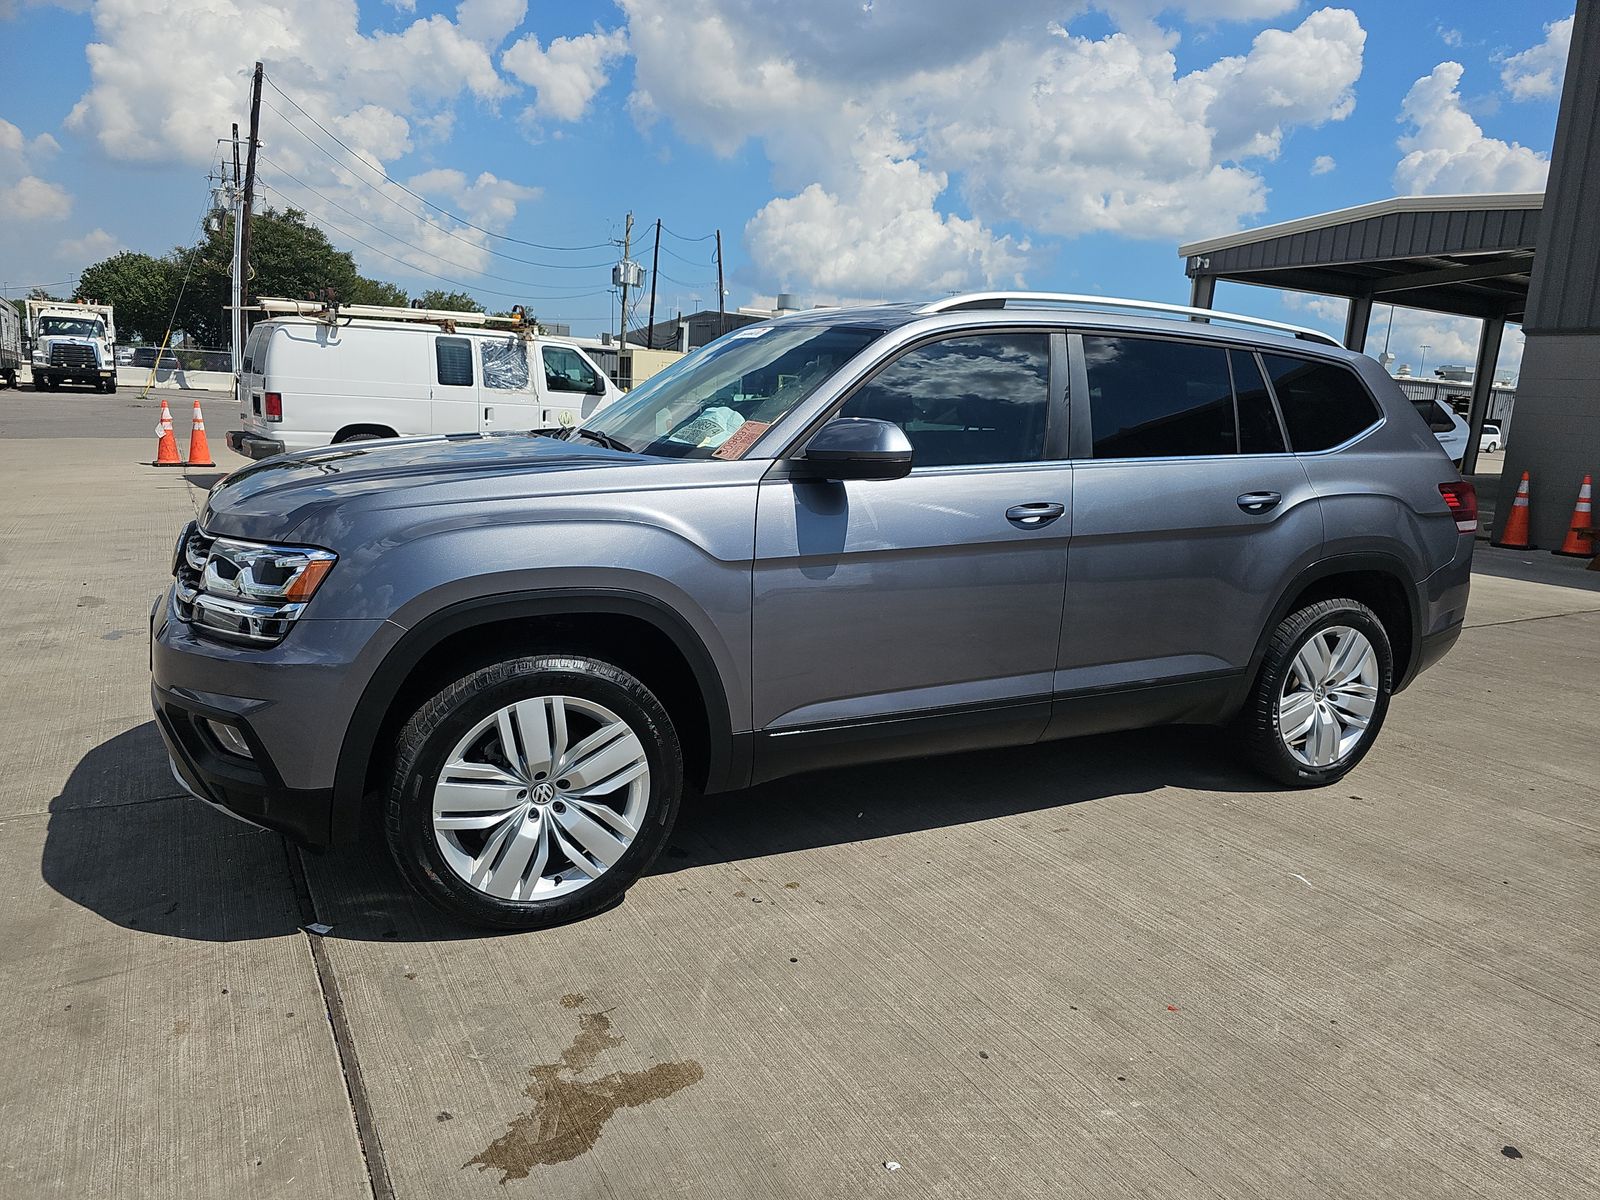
72	342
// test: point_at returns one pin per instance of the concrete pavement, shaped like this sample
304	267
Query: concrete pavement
1113	967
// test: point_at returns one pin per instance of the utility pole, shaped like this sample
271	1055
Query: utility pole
655	266
236	315
249	187
622	319
722	303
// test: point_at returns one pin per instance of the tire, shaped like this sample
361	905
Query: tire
39	384
363	437
528	803
1364	697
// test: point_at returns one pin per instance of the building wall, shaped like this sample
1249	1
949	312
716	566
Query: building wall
1558	392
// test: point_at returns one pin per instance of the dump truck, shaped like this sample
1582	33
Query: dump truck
11	359
71	342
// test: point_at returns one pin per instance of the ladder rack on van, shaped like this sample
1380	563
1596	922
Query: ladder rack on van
323	311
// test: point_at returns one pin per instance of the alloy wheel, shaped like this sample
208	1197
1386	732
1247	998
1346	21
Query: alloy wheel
541	798
1329	696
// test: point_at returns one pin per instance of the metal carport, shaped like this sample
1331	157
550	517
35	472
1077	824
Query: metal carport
1469	256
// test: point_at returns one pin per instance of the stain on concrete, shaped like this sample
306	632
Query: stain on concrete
569	1112
91	601
571	1000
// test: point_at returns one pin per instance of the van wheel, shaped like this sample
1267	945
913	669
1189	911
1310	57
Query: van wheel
1321	695
534	791
364	435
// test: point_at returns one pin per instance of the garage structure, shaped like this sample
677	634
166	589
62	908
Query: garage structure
1469	256
1533	259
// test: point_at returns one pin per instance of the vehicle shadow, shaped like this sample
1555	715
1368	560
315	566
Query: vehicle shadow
124	842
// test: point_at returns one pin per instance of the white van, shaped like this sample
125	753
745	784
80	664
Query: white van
315	376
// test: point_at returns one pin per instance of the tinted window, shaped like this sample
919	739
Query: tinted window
1434	414
565	371
1259	432
1323	404
980	399
1158	399
505	364
454	356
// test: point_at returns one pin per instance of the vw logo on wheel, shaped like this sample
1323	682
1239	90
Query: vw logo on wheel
543	793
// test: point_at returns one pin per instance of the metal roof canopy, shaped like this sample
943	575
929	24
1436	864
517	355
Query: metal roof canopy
1466	255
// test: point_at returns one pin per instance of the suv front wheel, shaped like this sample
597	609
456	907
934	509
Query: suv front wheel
1321	694
533	791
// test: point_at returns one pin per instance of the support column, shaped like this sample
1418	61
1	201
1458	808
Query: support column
1356	321
1203	291
1489	339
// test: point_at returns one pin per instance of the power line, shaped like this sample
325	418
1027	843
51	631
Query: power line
468	287
691	261
527	262
420	216
378	171
684	238
390	233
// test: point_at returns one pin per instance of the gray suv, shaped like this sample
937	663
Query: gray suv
837	537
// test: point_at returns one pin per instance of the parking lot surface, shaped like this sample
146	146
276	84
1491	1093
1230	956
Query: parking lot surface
1120	966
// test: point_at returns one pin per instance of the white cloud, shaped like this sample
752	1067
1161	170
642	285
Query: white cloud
883	232
1537	72
1323	164
382	93
35	199
90	248
567	73
1446	150
1450	37
1025	121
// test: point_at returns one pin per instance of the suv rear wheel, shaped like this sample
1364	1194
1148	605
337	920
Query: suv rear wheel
534	791
1321	695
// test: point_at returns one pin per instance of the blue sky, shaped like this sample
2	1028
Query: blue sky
847	149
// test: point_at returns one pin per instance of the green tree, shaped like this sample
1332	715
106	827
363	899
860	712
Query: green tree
141	289
449	301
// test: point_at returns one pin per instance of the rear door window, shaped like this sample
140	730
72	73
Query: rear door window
1323	404
1153	398
453	357
1259	431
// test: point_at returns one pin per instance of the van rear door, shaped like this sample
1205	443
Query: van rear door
453	394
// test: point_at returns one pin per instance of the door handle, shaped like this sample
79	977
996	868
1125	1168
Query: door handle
488	414
1032	516
1260	502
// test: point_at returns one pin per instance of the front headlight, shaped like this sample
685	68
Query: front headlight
248	591
39	356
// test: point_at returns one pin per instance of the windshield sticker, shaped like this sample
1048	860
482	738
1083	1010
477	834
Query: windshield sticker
740	441
751	331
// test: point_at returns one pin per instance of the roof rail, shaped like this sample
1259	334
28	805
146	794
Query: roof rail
970	301
387	312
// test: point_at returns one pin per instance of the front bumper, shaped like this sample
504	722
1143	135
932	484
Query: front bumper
291	703
253	445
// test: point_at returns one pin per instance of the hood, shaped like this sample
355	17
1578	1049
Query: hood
269	499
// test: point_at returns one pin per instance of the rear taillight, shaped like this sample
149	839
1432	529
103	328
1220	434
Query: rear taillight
1462	500
274	409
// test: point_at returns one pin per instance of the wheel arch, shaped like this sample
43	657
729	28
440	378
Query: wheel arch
359	427
1375	578
724	760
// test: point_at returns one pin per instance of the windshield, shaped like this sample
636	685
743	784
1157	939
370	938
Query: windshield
88	327
718	401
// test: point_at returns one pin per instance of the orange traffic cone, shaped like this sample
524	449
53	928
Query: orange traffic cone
1580	538
199	452
166	444
1514	530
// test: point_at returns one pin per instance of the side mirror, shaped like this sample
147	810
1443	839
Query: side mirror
598	388
856	448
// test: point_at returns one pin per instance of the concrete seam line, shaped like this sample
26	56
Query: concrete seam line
1582	612
82	808
343	1038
